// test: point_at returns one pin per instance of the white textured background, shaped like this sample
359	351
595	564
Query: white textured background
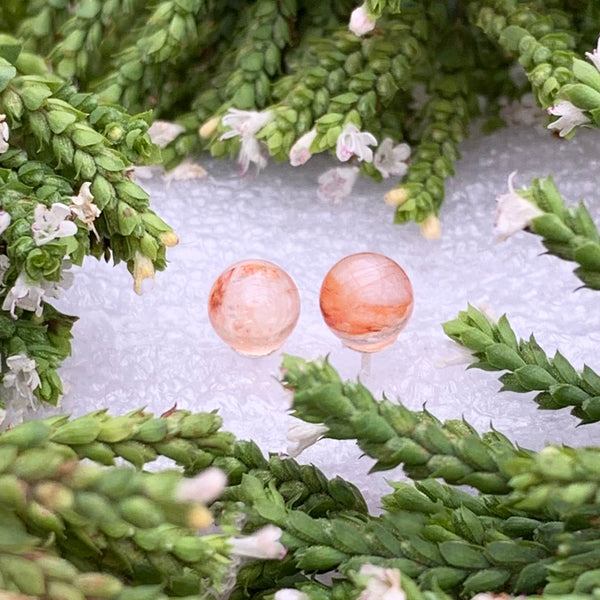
159	349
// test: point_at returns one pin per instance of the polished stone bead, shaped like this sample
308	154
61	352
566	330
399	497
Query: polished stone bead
366	300
253	306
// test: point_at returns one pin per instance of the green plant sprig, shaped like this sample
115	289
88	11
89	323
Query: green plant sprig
495	348
169	35
39	23
95	26
567	232
546	46
394	435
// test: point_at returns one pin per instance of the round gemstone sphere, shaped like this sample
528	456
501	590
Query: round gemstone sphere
366	300
253	306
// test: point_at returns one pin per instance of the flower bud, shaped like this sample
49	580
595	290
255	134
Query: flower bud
142	269
169	238
431	228
397	196
360	21
209	127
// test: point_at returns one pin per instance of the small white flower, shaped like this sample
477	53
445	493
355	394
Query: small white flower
382	584
337	183
570	117
513	213
594	56
300	151
84	209
5	219
263	544
22	376
4	134
162	133
204	488
391	160
244	122
360	22
142	269
51	223
251	152
304	435
290	594
25	295
353	142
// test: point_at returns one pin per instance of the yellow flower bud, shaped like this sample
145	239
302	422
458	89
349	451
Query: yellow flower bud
396	197
431	228
142	269
169	238
200	517
209	127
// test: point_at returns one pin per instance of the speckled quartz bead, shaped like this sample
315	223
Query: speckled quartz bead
254	306
366	300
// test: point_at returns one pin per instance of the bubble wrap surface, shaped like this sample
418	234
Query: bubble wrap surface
159	350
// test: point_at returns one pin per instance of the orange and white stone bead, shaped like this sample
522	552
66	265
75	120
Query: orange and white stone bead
366	300
254	306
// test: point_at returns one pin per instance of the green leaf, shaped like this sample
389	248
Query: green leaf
565	369
501	356
461	554
85	137
588	256
488	580
533	377
110	162
581	95
586	73
511	37
10	48
568	395
7	72
34	95
59	120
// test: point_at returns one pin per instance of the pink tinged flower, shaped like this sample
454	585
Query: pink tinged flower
25	295
514	213
290	594
163	133
51	223
244	122
337	183
391	160
360	22
203	488
22	376
304	435
263	544
84	209
353	142
594	56
4	134
300	151
570	117
5	219
381	584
